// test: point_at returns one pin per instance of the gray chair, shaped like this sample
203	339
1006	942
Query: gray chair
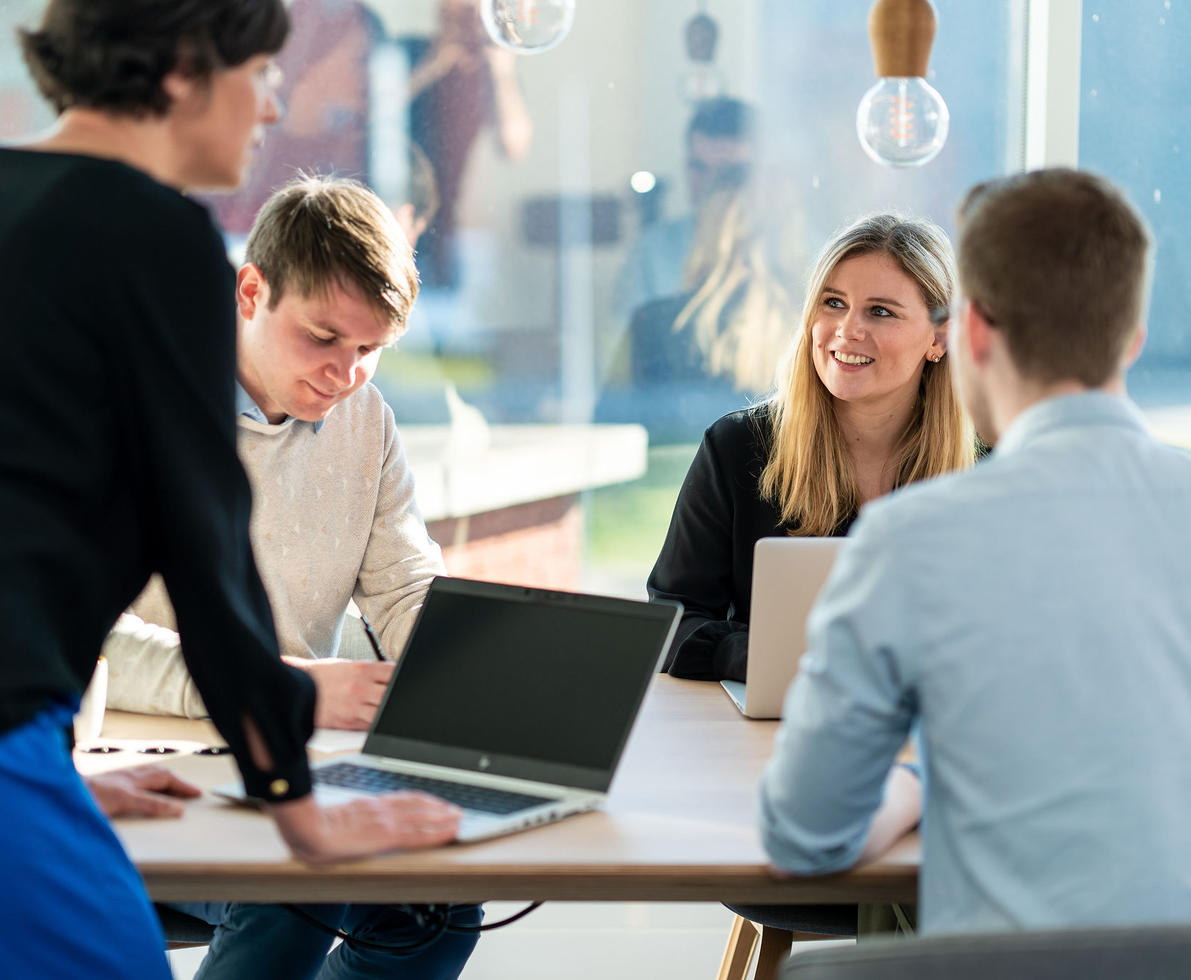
1138	953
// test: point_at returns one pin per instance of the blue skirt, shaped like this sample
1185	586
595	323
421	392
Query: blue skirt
71	903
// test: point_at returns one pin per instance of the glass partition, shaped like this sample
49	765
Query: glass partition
577	220
1134	98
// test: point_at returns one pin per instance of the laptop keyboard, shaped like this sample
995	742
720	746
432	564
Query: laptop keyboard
369	780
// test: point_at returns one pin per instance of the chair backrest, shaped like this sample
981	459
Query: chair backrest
1140	953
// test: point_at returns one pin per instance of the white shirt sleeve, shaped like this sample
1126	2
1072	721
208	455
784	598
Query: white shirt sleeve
146	672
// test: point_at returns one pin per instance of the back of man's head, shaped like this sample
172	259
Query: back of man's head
316	233
1058	261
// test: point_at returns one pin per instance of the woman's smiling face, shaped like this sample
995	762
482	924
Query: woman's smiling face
872	333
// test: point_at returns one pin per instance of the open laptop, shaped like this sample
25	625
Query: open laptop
788	574
513	703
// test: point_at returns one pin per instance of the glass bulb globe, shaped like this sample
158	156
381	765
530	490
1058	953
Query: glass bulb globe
527	26
902	122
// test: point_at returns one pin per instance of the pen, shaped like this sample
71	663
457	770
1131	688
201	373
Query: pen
372	640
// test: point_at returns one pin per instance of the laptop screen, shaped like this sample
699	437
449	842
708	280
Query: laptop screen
522	682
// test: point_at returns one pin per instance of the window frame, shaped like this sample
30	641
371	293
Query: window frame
1053	36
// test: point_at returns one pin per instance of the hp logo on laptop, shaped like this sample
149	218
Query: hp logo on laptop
485	762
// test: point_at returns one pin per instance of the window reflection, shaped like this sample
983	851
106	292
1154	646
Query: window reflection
527	178
1135	94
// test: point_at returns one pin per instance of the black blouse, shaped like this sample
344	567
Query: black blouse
706	562
118	452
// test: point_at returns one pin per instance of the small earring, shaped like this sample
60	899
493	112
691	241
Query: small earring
935	358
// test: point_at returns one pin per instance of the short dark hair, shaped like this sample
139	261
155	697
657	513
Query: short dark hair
1059	262
316	233
722	118
112	54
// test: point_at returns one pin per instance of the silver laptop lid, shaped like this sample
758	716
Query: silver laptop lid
788	574
522	682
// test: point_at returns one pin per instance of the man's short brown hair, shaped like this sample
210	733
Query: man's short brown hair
316	233
1058	261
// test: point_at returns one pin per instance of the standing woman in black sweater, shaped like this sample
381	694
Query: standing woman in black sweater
864	404
118	459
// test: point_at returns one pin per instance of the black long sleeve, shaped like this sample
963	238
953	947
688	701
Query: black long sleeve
706	562
117	451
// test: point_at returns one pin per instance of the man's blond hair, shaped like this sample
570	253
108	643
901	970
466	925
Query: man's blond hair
316	233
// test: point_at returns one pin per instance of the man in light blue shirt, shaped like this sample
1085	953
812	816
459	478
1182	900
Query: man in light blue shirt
1030	617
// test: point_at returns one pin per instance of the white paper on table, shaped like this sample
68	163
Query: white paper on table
331	740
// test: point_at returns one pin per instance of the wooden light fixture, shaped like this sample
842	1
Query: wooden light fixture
902	121
901	32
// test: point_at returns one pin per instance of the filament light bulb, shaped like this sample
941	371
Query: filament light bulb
527	26
902	122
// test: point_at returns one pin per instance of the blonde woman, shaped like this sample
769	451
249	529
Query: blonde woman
863	405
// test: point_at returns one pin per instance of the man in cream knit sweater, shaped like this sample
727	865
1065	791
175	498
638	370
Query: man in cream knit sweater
328	282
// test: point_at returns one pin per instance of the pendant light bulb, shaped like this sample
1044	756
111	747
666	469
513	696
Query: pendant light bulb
527	26
902	121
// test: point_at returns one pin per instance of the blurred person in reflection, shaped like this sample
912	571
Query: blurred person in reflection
736	311
460	82
420	201
863	405
719	147
118	459
328	282
1028	618
419	402
712	347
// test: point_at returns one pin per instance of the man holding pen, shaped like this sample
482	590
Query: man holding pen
327	284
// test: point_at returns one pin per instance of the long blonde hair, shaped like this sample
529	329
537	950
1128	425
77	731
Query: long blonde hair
809	474
739	313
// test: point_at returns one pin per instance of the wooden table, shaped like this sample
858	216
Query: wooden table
678	826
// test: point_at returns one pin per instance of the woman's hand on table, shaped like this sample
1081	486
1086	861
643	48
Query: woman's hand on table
144	791
360	828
